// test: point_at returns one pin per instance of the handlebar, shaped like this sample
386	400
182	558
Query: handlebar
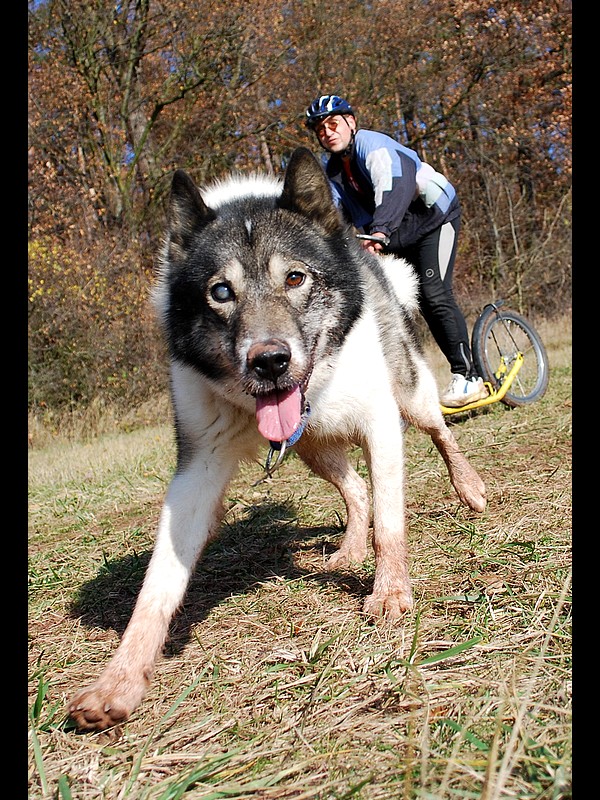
382	240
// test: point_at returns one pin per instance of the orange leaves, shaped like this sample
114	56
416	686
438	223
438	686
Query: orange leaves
88	312
483	90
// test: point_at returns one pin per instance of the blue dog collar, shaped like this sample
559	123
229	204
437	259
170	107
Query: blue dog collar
281	447
296	434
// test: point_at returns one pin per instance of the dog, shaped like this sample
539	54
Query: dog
282	331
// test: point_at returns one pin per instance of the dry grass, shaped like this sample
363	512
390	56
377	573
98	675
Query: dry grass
273	685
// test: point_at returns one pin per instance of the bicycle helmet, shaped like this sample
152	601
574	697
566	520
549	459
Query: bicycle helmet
325	106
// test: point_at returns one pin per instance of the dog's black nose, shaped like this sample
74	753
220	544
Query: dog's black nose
269	360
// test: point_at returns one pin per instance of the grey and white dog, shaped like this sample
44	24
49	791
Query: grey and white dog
282	330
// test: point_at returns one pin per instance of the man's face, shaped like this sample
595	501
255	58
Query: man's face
335	132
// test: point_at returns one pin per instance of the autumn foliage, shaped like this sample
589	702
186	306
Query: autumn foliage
122	94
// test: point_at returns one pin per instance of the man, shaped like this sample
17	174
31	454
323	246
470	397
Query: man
385	190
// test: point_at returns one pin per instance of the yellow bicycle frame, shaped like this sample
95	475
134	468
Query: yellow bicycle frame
494	395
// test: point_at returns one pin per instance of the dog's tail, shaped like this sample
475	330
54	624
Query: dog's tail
403	278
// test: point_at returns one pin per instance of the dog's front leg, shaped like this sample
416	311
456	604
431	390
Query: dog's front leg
392	594
191	513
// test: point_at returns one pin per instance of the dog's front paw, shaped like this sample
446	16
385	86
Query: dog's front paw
105	703
92	710
390	606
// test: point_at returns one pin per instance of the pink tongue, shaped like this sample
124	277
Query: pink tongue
278	414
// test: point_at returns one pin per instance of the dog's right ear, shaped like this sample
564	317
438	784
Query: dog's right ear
306	191
187	213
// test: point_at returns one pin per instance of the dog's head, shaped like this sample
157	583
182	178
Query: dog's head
259	278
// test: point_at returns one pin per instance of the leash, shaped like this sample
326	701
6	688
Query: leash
281	447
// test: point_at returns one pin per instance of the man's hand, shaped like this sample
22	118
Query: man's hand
374	247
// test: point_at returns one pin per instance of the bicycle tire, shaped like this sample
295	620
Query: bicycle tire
498	335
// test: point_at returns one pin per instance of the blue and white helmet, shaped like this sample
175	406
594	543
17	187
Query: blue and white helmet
325	106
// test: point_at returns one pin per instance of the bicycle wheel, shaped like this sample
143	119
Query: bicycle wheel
498	336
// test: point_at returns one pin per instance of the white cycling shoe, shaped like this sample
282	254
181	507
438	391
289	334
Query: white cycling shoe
461	391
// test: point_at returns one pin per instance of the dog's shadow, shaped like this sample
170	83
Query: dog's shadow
254	549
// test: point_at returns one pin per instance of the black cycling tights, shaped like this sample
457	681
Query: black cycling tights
433	259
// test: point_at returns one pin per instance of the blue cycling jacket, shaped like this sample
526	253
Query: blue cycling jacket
390	189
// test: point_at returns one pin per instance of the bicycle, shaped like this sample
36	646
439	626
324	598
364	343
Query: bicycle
508	354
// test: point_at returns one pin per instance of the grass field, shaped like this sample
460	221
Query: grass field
273	685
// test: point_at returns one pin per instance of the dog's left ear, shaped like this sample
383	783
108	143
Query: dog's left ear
306	191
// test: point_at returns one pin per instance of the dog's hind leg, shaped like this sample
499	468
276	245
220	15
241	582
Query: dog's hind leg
191	513
330	462
423	411
468	485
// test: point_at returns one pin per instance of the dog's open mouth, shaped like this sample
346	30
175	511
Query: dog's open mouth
279	414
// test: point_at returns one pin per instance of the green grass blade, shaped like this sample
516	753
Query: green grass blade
466	734
64	789
39	761
451	652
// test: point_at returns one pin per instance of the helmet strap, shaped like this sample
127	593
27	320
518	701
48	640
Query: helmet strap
348	151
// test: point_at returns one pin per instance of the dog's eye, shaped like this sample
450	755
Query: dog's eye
222	293
294	279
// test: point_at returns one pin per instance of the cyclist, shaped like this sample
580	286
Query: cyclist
385	190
